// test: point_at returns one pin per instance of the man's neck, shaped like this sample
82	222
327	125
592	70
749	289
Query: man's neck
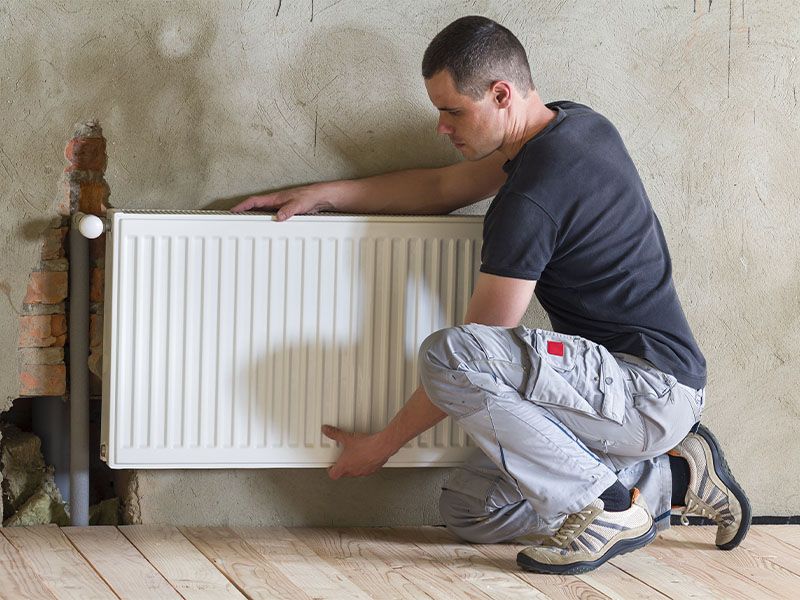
534	117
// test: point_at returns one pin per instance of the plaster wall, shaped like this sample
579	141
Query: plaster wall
203	103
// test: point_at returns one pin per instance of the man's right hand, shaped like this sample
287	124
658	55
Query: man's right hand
303	200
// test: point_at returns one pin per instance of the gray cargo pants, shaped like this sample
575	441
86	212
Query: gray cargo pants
557	419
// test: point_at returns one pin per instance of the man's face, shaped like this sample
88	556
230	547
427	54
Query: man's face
473	126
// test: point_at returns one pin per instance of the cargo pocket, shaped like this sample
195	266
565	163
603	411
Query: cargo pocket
658	400
575	374
645	382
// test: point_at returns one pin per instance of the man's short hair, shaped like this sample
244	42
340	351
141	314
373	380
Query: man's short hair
477	51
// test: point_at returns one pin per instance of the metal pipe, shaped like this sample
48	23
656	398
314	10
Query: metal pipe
82	226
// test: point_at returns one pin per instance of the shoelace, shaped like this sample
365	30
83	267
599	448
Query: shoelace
702	511
570	527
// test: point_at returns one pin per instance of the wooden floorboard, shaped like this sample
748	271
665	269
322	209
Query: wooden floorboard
763	543
557	587
300	563
468	563
120	564
180	563
57	563
198	563
746	563
789	534
19	581
380	569
253	573
698	563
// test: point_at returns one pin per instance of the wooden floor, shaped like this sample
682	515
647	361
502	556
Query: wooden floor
163	562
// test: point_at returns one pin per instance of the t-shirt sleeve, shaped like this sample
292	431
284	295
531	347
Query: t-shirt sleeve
519	238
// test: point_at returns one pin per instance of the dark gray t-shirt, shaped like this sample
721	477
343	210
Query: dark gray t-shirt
574	216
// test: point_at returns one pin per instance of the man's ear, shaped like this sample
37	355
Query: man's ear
501	93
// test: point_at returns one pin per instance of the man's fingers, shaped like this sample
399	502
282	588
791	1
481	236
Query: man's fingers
267	201
334	473
243	206
333	433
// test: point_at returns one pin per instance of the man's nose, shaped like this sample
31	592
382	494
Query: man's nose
443	128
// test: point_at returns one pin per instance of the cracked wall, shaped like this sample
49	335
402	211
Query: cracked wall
203	105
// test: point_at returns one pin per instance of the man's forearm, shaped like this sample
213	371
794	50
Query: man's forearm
418	415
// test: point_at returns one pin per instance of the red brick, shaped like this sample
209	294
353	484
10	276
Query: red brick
96	331
86	154
96	363
58	325
93	197
53	246
42	331
43	380
46	287
97	249
97	285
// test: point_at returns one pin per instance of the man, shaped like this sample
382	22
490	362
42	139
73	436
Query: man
572	425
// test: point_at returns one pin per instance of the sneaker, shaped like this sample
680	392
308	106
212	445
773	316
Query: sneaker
713	492
590	537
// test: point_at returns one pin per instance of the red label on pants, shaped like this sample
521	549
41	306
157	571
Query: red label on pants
555	348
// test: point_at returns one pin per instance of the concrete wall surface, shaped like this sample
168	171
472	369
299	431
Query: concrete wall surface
204	102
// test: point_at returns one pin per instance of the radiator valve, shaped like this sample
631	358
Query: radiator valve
90	226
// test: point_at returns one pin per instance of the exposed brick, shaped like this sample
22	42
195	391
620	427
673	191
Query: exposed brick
96	331
97	285
41	356
57	264
97	250
43	309
95	363
93	197
86	154
58	325
43	380
46	287
42	331
54	243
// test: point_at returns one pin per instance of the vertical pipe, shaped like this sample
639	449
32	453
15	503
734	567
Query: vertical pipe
78	374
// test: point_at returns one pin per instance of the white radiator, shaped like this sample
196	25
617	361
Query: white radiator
230	339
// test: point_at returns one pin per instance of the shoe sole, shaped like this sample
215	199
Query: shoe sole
621	547
723	472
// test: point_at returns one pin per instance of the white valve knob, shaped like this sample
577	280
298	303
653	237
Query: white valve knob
90	226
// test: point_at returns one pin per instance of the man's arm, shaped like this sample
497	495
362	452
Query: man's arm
415	191
500	301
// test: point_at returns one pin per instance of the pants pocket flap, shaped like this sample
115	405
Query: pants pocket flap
547	387
612	385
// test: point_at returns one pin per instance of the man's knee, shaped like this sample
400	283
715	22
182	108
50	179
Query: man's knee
479	524
443	349
464	518
441	366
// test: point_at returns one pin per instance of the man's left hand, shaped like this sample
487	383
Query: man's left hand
362	454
